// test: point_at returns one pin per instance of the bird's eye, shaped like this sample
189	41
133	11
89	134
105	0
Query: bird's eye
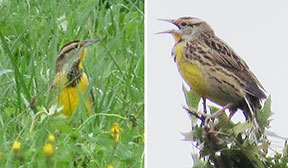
77	46
183	24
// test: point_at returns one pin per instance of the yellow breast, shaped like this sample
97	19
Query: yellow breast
190	71
70	97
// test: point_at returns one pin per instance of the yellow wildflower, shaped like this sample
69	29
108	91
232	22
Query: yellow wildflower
51	138
115	128
48	149
110	166
117	138
16	146
115	131
0	155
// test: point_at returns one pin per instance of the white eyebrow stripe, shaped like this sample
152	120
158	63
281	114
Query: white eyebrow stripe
67	48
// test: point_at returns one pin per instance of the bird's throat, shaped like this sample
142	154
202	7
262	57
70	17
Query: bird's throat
74	75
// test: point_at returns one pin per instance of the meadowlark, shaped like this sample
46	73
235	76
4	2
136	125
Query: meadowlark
212	69
70	81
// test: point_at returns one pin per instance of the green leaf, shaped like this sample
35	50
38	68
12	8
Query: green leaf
264	114
242	127
240	158
213	109
225	124
198	163
192	99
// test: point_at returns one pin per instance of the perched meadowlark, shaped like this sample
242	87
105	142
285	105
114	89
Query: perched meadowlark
70	80
212	69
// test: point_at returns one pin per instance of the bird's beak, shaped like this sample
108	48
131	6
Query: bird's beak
89	42
168	20
167	32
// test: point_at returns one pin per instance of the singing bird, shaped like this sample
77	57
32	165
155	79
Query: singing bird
70	81
212	69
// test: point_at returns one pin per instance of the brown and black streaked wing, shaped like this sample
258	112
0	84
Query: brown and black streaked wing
226	57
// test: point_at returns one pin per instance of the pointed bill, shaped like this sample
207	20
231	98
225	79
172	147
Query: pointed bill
167	32
170	21
89	42
167	20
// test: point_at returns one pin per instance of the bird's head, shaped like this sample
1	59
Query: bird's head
187	23
188	26
72	52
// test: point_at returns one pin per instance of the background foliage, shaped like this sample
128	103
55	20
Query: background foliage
32	33
225	144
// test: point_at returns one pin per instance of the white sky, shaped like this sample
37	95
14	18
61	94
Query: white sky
258	32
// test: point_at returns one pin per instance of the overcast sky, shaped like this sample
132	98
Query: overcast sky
256	30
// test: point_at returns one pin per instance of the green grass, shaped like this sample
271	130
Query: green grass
31	34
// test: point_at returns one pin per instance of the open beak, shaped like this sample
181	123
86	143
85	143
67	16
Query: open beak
89	42
168	20
167	32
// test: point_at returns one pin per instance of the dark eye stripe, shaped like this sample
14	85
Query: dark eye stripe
68	47
67	44
190	25
67	51
197	24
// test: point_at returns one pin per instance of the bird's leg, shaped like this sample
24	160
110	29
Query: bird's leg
204	105
204	111
215	115
222	111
